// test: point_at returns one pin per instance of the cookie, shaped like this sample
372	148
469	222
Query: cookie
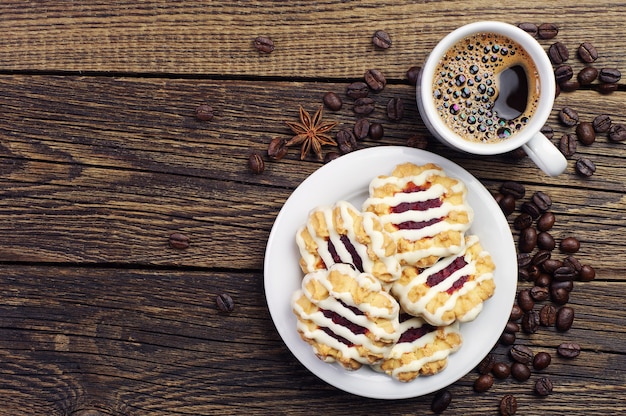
342	234
346	316
422	349
452	289
425	211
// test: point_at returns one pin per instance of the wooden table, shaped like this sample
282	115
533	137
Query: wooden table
102	159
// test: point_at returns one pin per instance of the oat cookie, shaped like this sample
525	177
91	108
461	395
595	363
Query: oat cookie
424	210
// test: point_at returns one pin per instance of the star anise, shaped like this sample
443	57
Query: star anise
311	133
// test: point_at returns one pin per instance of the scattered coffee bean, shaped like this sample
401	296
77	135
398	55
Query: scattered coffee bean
256	163
483	383
524	300
587	273
564	318
381	39
516	313
539	294
375	80
277	148
529	28
441	401
264	44
558	53
204	112
501	370
585	133
602	123
547	31
541	360
332	101
530	322
330	156
542	201
587	75
543	386
507	204
376	131
533	272
617	133
527	240
573	263
547	315
568	350
564	274
515	189
521	354
609	75
357	90
541	256
570	85
520	372
585	167
531	209
507	338
395	109
563	73
346	141
587	52
524	260
364	106
417	141
511	327
522	221
547	131
568	116
361	128
179	241
551	265
543	280
559	295
546	221
608	88
569	245
412	74
225	303
486	364
567	145
545	241
508	405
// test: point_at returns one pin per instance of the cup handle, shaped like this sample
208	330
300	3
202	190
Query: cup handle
545	155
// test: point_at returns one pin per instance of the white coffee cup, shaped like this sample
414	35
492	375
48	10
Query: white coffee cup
538	147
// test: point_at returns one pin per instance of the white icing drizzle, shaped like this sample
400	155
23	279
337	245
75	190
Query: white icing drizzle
377	244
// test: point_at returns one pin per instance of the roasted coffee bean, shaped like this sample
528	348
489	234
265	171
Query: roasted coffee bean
381	39
204	112
557	89
346	141
568	350
521	354
364	106
542	200
558	53
522	221
551	265
607	87
602	123
563	73
516	313
520	372
486	364
559	295
568	116
361	128
529	28
525	301
417	141
256	163
562	284
531	209
609	75
395	109
541	257
179	241
587	52
515	189
376	131
547	131
570	85
569	245
542	360
533	272
511	327
567	144
585	133
508	405
587	273
573	263
547	315
224	302
527	240
587	75
546	221
545	241
539	293
483	383
264	44
517	154
441	401
543	386
564	274
530	322
507	204
277	148
617	133
375	80
543	280
357	90
547	31
412	74
332	101
330	156
585	167
524	260
501	370
564	318
507	338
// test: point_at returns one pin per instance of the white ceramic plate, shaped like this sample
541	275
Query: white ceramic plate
348	178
